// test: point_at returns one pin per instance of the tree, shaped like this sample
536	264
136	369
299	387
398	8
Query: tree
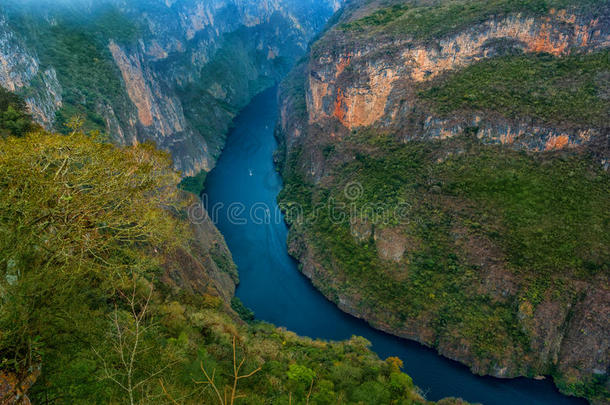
127	339
395	364
301	378
401	385
230	392
78	218
14	117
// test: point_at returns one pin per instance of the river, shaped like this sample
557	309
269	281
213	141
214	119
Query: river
245	182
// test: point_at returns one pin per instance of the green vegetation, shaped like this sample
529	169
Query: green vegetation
79	219
86	230
226	84
86	72
243	311
595	387
14	117
554	213
380	17
194	184
110	23
545	219
433	19
555	90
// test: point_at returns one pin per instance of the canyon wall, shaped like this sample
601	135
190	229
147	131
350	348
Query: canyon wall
362	83
370	87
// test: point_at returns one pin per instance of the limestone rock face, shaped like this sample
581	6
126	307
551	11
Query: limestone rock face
18	68
391	244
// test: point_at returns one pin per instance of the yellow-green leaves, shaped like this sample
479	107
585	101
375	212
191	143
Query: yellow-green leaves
77	218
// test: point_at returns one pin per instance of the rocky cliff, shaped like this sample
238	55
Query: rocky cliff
174	72
449	140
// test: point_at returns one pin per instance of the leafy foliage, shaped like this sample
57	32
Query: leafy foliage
86	72
194	184
110	23
555	90
76	214
14	117
243	311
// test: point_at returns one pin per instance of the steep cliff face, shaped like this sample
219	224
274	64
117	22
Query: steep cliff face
19	68
174	72
449	139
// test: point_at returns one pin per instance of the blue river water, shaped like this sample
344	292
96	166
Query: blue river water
241	197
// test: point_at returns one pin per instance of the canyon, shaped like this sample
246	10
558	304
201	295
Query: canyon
466	143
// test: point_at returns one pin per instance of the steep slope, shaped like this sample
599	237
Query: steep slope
174	72
446	179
